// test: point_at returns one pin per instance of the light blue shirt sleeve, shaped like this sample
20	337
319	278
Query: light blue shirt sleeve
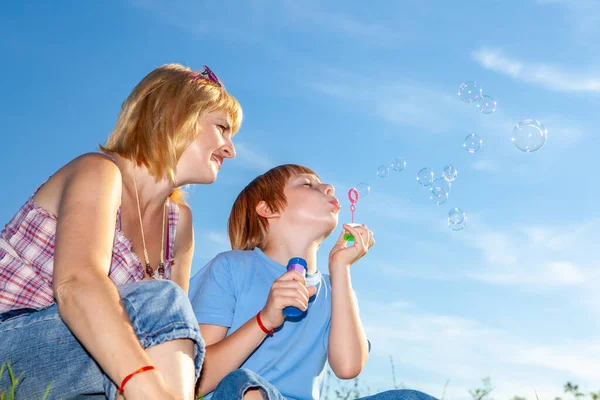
212	293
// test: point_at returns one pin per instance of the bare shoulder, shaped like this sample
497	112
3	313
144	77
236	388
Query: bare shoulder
185	214
185	232
86	171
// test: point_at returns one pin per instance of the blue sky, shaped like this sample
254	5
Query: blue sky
343	87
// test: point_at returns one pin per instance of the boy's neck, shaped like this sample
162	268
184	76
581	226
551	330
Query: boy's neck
282	253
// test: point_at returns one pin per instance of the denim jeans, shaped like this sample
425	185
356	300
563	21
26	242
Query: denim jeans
39	345
234	385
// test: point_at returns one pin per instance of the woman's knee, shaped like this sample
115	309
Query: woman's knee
162	301
160	311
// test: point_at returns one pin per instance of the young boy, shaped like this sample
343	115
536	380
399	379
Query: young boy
252	348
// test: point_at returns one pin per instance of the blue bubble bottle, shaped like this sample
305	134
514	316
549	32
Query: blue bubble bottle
295	264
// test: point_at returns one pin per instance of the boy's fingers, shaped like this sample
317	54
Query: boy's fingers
293	275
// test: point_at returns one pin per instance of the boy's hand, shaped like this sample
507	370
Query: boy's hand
343	255
289	290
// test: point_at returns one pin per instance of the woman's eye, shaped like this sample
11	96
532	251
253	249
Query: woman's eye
308	184
222	128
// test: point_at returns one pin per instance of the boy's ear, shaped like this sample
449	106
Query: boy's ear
264	210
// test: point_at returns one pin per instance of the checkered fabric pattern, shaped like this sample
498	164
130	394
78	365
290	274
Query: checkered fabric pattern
26	267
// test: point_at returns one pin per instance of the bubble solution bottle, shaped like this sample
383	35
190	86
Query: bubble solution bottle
295	264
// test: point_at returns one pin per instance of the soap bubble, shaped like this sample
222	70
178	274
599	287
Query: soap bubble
383	171
457	219
363	190
472	143
398	164
439	194
529	135
486	104
469	91
449	173
425	177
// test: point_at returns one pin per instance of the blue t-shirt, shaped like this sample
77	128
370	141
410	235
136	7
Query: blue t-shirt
234	287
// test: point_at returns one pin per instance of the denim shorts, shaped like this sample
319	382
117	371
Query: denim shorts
236	383
39	345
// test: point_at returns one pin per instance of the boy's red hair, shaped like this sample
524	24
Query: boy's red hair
247	229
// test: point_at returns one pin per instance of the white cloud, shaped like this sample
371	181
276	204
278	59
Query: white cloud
537	256
552	273
465	350
396	102
548	76
434	110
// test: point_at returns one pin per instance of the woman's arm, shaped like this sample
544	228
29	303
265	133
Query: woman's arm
87	299
183	249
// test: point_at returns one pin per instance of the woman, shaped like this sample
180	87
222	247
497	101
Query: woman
94	268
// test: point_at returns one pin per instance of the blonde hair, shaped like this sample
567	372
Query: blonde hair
159	119
247	229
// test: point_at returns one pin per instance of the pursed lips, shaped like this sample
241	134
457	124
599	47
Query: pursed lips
335	203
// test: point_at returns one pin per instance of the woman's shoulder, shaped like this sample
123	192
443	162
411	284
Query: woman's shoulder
94	160
84	167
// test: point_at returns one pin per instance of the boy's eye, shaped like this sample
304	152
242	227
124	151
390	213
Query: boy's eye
308	184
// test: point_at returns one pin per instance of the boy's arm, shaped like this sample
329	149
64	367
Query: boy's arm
348	348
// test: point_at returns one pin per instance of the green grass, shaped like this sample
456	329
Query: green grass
14	381
348	390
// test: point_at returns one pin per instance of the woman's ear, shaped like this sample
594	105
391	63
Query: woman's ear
265	211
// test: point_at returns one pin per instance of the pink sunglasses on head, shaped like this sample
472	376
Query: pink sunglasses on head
207	74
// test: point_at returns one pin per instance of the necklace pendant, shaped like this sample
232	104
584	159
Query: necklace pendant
161	270
149	270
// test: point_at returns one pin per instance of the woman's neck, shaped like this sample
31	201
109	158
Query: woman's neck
152	194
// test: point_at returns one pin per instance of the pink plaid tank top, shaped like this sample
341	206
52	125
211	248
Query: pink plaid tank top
27	257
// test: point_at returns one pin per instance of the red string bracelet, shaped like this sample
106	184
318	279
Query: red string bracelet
128	377
264	329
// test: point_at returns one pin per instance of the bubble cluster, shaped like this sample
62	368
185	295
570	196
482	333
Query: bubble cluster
529	135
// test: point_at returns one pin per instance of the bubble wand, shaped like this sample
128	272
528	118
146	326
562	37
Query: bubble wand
353	196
